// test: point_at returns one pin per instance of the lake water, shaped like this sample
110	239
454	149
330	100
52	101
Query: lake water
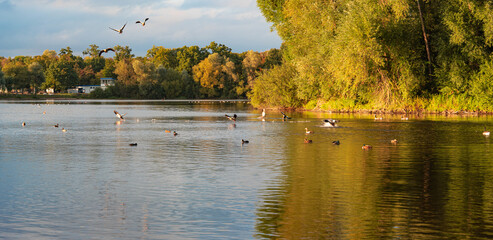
89	183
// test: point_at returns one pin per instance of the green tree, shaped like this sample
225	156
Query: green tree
92	51
123	53
36	75
60	75
17	75
188	57
162	56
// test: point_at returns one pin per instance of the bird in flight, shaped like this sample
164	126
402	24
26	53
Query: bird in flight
105	51
118	115
232	118
143	23
120	31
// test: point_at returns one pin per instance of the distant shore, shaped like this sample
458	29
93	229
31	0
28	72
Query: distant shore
71	96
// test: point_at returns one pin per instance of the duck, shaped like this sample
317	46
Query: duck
393	141
284	116
486	133
336	142
56	125
404	118
175	133
377	118
330	122
244	141
64	130
23	124
167	131
232	118
120	31
133	144
366	147
263	113
308	140
143	23
308	131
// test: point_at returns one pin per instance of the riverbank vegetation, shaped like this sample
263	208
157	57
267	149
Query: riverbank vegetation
403	55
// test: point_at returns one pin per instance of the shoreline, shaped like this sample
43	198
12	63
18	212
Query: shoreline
14	97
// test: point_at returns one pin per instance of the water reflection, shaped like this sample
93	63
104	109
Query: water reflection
432	184
88	183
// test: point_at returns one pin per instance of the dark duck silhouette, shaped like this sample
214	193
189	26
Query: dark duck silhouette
284	116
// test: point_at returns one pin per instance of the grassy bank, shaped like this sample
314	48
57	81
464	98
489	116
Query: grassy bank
440	104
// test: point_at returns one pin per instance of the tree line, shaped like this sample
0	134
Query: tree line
404	54
213	71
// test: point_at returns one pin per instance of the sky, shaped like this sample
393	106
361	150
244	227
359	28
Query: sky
28	27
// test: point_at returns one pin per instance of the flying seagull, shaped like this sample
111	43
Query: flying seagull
120	31
143	23
105	51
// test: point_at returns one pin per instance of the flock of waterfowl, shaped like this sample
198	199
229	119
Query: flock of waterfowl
326	123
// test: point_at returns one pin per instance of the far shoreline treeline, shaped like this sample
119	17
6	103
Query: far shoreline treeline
211	72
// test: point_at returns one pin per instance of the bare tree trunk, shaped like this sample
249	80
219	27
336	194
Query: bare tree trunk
424	36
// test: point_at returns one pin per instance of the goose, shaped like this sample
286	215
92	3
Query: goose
143	23
120	31
366	147
336	142
118	115
232	118
284	116
263	113
330	122
106	50
244	141
308	140
308	131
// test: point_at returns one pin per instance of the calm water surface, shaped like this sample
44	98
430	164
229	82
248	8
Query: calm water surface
88	183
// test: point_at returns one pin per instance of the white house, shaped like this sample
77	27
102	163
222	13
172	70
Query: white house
105	82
